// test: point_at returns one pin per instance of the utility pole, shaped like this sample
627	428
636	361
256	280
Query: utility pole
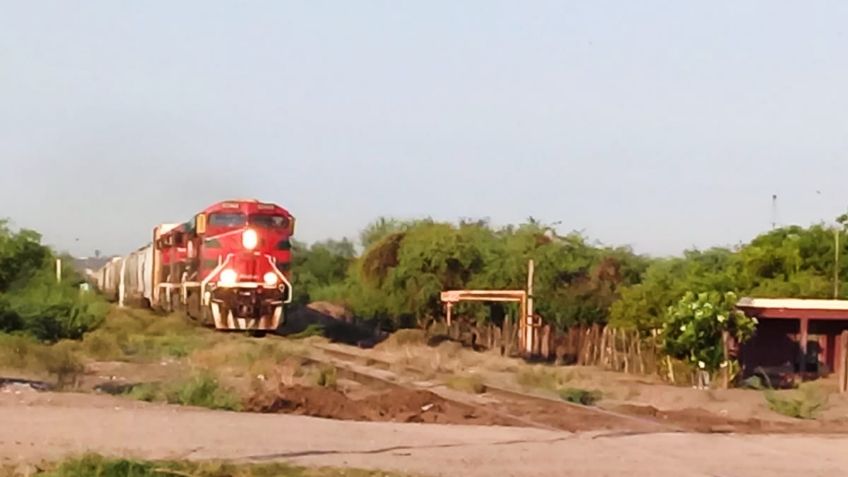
837	230
773	211
836	263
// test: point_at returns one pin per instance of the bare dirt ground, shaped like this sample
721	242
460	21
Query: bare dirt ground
37	426
742	410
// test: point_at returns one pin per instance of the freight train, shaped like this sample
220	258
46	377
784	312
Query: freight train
229	266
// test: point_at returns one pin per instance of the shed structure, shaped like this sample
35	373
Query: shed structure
794	336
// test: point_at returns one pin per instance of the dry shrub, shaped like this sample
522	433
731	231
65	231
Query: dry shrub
405	337
468	383
62	362
286	372
102	345
59	361
381	257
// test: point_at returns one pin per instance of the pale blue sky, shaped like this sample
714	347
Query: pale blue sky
661	125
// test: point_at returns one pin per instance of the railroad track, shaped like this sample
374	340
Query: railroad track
518	407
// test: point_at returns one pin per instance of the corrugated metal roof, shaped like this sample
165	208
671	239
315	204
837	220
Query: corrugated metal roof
793	303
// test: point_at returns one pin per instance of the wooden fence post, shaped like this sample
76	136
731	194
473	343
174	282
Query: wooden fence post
842	363
639	352
596	339
614	345
604	349
670	369
583	353
725	375
546	342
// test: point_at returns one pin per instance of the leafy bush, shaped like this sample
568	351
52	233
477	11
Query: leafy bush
31	300
580	396
51	311
693	328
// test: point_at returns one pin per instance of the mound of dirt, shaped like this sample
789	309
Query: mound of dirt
394	405
332	310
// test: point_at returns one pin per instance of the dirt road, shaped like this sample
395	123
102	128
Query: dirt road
35	426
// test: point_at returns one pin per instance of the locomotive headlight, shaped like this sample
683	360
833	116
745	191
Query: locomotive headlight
249	239
270	279
228	277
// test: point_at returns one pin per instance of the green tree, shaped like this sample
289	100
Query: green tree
318	270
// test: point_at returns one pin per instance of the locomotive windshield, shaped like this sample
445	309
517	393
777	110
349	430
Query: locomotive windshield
227	219
269	221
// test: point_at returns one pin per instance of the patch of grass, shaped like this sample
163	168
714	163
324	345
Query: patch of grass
164	346
540	377
92	465
142	335
469	383
806	403
580	396
327	376
203	390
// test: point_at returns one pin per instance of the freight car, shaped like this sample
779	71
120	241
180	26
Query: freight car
229	266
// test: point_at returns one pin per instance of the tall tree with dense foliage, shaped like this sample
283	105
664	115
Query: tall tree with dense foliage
401	274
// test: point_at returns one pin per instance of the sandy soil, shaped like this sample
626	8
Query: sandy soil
38	426
390	405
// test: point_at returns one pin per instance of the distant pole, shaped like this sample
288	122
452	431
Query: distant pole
58	269
836	263
773	211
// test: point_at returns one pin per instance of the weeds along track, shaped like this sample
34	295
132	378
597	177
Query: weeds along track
509	406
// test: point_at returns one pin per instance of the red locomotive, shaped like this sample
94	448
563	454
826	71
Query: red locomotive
229	266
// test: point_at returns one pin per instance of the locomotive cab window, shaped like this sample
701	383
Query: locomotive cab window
269	221
227	219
